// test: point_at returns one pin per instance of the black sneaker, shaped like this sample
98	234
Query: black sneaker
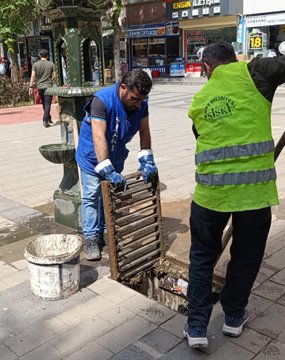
50	121
233	325
46	124
196	336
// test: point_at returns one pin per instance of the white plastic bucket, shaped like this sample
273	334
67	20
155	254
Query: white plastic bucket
54	265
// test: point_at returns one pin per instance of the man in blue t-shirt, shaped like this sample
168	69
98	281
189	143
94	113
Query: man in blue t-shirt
113	116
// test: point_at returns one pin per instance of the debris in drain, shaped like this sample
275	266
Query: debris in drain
176	286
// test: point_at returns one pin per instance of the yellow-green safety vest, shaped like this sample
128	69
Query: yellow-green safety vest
235	149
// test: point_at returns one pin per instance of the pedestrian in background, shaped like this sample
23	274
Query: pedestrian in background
113	116
7	68
235	177
2	68
43	73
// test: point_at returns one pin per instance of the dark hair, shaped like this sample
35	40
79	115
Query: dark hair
218	53
138	79
43	53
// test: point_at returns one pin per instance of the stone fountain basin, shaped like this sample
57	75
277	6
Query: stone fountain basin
58	153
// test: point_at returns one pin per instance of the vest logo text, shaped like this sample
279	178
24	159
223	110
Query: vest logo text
219	107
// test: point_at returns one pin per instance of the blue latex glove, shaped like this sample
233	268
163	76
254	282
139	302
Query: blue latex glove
106	169
148	167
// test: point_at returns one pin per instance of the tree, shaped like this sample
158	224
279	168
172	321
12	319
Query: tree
114	18
16	17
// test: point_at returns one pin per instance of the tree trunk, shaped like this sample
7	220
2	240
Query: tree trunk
13	55
14	66
116	51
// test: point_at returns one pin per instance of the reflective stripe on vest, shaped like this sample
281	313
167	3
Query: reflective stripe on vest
249	177
235	151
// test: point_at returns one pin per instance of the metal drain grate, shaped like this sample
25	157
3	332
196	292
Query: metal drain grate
134	227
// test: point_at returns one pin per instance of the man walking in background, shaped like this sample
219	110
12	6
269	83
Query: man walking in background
43	73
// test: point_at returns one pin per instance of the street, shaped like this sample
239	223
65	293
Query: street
106	320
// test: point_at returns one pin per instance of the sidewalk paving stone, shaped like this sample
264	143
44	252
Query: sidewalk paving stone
175	325
117	315
6	353
32	338
89	352
277	259
279	277
126	334
273	351
78	336
231	351
44	352
93	307
148	309
182	352
252	340
270	290
112	290
160	340
268	322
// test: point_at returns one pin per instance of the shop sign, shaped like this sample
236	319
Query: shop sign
141	33
265	20
255	41
181	5
194	8
169	29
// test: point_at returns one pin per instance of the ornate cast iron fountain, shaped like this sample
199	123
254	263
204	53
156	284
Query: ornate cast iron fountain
77	40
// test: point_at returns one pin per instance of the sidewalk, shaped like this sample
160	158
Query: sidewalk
106	320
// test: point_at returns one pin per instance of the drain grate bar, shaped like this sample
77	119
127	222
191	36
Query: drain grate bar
129	238
129	246
145	266
134	226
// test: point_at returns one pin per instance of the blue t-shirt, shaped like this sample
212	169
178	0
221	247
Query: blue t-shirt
121	127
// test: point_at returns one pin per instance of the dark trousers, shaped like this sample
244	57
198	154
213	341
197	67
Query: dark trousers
250	231
46	102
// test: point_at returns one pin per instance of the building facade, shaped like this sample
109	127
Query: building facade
203	22
152	41
264	27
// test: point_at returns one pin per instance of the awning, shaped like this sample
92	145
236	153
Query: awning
215	22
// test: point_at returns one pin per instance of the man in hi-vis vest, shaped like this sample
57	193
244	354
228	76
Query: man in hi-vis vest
235	175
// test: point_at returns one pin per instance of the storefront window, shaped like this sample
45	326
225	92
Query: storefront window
200	38
156	51
139	53
264	40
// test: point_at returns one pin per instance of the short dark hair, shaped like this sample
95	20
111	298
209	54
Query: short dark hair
43	53
138	79
218	53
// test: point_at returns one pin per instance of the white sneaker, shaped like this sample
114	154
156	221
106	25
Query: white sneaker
233	325
196	336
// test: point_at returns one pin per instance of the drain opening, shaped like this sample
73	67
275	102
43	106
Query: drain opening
135	241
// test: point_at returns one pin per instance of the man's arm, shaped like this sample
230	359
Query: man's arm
104	168
145	138
99	128
267	74
32	80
